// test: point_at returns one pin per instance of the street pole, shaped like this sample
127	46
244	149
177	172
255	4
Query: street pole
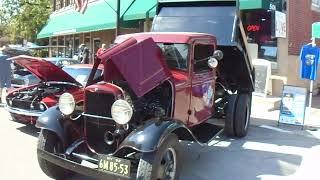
311	86
118	19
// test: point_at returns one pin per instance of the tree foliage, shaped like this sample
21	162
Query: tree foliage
25	18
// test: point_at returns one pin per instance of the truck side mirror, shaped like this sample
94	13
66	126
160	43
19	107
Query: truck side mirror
218	54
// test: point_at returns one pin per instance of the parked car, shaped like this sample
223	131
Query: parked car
26	104
22	77
158	88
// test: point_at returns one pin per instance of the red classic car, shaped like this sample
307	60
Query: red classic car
27	104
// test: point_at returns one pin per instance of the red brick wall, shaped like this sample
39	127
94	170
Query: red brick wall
301	18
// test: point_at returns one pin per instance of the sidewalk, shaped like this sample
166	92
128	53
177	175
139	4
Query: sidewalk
268	109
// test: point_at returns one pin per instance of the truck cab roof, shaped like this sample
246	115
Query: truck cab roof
167	37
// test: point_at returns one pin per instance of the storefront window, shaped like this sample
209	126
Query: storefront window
61	46
76	45
258	27
54	49
69	47
268	51
315	5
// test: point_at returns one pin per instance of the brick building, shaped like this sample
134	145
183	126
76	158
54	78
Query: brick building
282	52
300	16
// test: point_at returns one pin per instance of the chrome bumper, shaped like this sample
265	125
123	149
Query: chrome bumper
23	112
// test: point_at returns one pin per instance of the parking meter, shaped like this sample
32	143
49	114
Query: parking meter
309	58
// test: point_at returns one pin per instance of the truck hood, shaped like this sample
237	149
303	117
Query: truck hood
141	64
44	70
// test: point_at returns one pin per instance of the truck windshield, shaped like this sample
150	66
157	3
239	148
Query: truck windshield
175	54
217	21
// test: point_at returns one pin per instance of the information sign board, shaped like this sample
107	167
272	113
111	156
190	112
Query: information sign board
293	103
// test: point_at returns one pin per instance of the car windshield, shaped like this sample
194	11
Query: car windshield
176	55
81	74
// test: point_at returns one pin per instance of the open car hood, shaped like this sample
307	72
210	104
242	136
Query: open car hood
141	64
44	70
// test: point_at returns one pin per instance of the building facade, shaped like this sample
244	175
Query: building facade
260	20
67	28
277	40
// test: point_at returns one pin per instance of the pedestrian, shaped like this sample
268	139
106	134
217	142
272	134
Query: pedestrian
80	54
5	70
102	49
85	59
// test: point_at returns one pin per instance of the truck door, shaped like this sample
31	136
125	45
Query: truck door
202	83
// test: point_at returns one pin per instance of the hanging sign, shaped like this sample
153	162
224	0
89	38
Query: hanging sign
293	103
280	25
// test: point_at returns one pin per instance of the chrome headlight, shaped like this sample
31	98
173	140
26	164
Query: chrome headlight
67	103
121	111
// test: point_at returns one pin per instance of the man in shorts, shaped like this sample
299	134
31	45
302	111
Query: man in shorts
5	71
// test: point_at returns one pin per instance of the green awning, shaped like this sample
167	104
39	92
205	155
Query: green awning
140	9
261	4
98	16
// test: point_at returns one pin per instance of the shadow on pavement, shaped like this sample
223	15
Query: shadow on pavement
30	130
262	152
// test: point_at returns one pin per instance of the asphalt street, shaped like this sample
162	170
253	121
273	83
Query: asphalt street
267	153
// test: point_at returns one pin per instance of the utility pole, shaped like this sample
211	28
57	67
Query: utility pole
118	19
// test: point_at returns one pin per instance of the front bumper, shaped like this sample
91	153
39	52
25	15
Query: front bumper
23	111
78	168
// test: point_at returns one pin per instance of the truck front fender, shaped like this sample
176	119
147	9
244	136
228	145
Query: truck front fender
50	120
150	136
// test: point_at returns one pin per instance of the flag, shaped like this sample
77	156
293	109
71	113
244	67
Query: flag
81	5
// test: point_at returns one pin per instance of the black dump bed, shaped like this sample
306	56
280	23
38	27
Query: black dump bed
219	18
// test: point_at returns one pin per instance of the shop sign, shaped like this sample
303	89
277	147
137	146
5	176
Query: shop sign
261	4
253	28
293	103
280	25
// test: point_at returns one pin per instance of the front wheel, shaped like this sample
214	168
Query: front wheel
49	142
163	164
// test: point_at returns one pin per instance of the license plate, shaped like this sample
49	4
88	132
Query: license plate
114	165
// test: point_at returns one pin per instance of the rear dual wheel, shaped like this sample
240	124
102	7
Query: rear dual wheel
238	115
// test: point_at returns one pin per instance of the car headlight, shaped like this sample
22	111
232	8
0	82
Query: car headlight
121	111
67	103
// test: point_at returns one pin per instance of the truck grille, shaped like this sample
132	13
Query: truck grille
99	104
95	131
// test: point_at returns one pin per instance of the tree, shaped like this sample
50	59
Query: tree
25	18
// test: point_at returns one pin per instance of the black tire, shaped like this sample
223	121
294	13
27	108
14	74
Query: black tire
230	115
49	142
242	115
151	164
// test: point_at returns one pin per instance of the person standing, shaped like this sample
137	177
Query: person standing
102	49
86	55
5	71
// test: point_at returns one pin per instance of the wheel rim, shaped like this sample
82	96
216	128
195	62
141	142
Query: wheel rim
168	165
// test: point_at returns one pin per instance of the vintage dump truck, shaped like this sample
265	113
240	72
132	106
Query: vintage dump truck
157	88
